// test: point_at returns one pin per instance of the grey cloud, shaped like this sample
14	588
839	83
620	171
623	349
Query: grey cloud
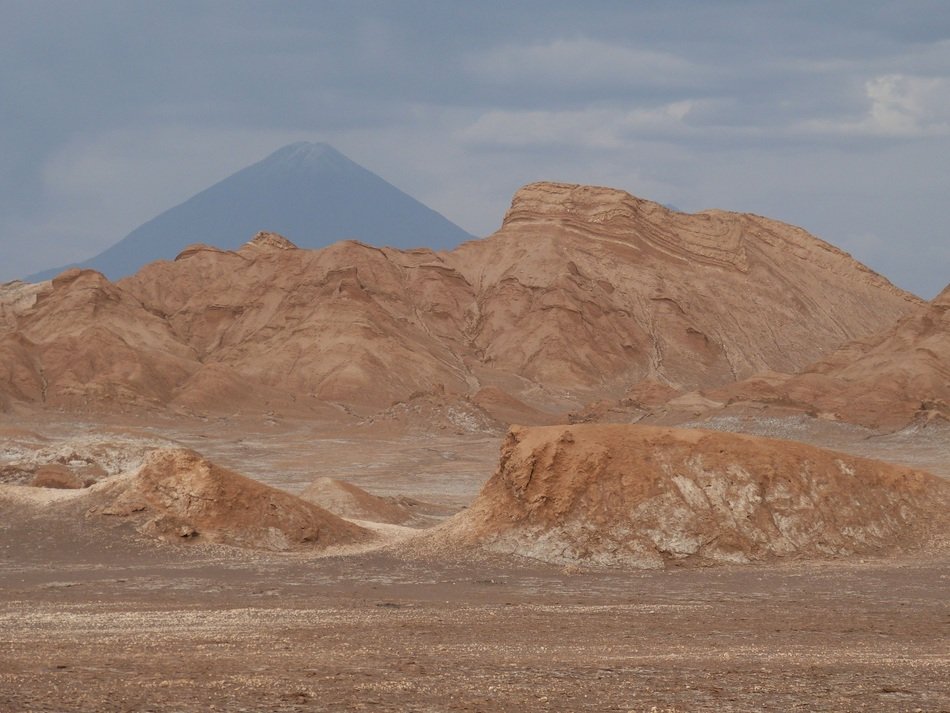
114	110
569	64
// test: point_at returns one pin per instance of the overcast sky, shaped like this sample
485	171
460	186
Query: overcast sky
834	116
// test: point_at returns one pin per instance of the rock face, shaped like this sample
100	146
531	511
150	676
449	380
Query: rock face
585	285
179	495
268	241
15	298
85	340
637	496
583	294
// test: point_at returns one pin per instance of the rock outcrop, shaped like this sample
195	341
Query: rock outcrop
178	495
646	497
85	340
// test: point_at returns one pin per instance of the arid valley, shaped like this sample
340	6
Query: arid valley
613	457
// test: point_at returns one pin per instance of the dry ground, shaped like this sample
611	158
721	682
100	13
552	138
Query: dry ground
99	620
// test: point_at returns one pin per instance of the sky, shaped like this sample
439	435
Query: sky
834	116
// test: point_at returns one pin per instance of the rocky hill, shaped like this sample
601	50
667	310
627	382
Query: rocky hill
884	380
584	293
587	286
646	497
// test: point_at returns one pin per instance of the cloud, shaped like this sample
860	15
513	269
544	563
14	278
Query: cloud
829	115
162	163
903	105
898	106
582	63
597	128
903	268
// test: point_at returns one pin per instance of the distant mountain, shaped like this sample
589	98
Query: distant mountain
309	192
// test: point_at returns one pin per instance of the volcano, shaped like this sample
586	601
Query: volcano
308	191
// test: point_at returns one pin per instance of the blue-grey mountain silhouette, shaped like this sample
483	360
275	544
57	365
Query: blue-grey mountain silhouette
309	192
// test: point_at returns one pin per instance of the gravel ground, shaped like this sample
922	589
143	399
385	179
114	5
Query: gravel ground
96	619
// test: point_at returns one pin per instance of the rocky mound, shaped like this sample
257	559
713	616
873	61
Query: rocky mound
423	412
57	475
337	325
889	378
354	503
621	495
505	408
177	494
265	240
583	294
649	394
883	381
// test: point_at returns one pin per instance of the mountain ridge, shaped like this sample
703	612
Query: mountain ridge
578	299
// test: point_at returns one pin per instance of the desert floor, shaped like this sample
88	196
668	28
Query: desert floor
95	618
